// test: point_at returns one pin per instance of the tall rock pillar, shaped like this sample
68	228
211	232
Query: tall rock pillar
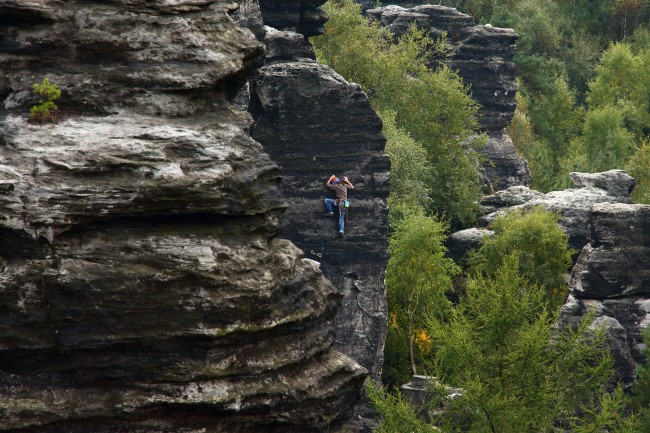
313	124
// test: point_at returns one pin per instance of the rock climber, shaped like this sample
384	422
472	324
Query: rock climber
340	188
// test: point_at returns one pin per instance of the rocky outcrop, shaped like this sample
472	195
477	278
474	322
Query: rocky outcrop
612	280
313	123
482	55
573	205
610	277
142	282
300	16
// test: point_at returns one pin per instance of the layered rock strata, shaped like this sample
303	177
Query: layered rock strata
313	123
142	282
572	205
482	55
611	279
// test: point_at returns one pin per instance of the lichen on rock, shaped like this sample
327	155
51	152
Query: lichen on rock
143	284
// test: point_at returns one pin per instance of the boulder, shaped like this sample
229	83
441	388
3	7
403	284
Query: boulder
615	262
611	279
143	284
460	243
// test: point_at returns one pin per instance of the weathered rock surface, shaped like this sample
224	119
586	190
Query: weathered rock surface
142	283
459	243
300	16
573	205
611	278
483	57
313	123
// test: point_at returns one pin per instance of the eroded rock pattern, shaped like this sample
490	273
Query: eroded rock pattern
142	285
313	123
482	55
573	204
611	278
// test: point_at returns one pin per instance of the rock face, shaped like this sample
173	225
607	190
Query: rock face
313	123
142	283
300	16
483	57
573	205
612	279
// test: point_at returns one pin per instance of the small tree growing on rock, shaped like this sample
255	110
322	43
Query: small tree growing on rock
45	109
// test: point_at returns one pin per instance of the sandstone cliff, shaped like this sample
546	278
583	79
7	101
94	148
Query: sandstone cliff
313	124
142	283
482	56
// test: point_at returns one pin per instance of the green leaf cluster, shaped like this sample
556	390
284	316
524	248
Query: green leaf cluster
417	277
541	247
49	92
397	414
430	108
582	67
517	371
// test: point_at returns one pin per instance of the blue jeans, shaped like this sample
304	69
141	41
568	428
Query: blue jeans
329	204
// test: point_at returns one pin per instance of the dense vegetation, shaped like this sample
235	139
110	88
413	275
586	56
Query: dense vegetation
583	105
584	96
429	115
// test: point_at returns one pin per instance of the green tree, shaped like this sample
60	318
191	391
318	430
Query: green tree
49	92
605	143
621	82
398	415
417	277
540	245
517	372
639	168
432	107
641	387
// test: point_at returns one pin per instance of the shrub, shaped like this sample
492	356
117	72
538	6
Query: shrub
639	168
517	371
417	277
538	242
44	110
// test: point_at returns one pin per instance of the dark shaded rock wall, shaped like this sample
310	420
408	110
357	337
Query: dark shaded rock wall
300	16
313	123
143	287
482	56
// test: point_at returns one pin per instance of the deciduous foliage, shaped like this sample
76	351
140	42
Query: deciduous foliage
431	107
417	277
48	92
540	246
639	168
605	143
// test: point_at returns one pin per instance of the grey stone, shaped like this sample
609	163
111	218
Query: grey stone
615	262
313	123
573	205
483	58
143	284
460	243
